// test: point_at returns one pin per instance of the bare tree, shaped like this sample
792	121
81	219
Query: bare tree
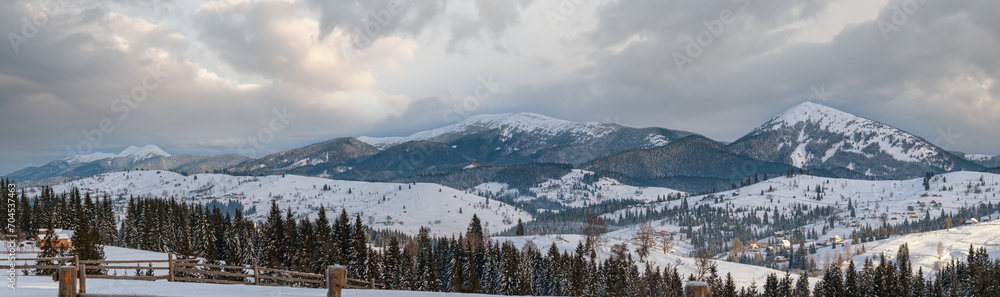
667	242
703	264
947	223
940	255
644	237
594	231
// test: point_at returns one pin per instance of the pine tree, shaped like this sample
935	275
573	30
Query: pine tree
48	250
802	286
325	254
520	228
851	288
86	239
274	237
359	250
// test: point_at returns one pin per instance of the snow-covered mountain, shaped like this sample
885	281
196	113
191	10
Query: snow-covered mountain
137	154
814	136
989	161
397	206
88	158
529	137
148	157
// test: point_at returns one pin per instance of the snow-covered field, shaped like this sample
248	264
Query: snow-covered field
570	191
402	207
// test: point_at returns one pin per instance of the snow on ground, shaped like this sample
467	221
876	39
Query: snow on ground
897	200
111	253
570	191
743	275
402	207
43	286
924	246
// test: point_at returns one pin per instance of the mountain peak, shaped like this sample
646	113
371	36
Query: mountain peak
809	111
142	153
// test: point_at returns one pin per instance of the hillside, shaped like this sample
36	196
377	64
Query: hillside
402	207
691	157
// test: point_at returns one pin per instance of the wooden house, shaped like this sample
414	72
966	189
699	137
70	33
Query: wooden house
63	239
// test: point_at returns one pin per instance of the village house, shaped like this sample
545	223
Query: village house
63	239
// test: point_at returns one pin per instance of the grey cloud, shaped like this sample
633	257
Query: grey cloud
354	15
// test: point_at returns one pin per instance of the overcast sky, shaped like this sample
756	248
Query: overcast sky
197	77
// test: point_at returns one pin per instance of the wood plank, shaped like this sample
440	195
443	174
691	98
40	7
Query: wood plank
120	261
211	281
291	279
127	277
45	259
219	273
367	283
210	265
37	266
292	272
127	267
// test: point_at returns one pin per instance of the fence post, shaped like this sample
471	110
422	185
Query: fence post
697	289
82	273
67	281
336	278
170	267
256	272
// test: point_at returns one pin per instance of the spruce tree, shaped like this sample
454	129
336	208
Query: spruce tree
86	240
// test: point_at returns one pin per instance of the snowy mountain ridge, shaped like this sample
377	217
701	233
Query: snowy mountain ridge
135	153
509	124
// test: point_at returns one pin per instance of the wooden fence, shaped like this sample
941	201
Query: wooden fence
191	270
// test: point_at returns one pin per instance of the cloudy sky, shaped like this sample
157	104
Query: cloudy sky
196	77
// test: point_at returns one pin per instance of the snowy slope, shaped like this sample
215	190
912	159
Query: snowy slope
924	246
571	191
743	275
403	207
872	200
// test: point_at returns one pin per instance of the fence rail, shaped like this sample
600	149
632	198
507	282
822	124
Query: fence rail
190	270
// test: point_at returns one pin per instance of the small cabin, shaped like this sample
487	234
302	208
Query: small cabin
971	221
63	239
780	259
